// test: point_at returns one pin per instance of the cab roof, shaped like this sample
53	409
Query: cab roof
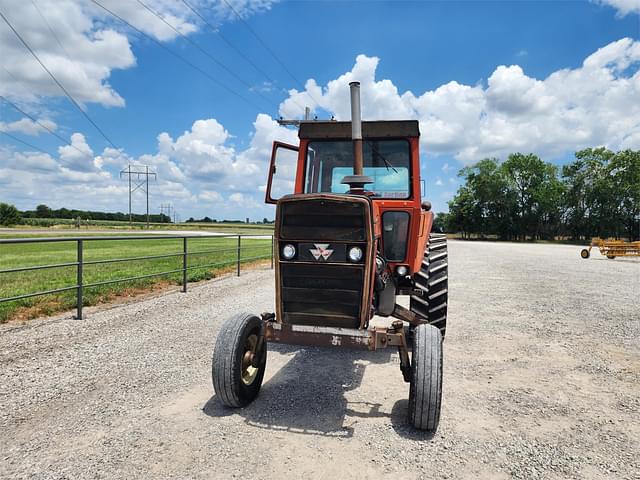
314	129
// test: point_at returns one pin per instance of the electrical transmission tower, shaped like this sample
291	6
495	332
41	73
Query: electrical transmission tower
138	176
168	207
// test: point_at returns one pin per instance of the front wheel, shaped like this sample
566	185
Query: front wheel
584	253
425	390
239	361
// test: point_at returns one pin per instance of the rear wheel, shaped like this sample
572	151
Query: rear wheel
611	257
425	391
584	253
238	363
432	279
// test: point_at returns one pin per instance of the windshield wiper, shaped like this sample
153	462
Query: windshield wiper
386	162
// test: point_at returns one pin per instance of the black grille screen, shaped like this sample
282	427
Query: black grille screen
325	295
323	219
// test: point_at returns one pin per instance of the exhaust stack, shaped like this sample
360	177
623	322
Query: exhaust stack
357	181
356	127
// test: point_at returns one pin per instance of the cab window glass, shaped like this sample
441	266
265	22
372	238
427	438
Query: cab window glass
395	229
386	161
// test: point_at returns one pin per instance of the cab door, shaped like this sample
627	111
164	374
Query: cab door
282	171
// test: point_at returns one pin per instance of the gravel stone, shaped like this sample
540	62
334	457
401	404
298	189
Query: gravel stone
541	380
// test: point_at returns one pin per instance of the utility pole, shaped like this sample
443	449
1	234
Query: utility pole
141	181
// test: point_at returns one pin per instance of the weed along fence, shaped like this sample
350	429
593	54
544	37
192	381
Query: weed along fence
41	276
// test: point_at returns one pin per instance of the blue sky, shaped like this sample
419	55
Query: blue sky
483	78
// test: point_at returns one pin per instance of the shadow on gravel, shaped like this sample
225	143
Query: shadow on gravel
307	395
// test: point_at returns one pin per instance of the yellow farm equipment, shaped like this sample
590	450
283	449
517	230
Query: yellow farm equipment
611	248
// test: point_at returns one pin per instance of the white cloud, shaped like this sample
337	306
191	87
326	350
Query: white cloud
78	156
90	51
210	196
595	104
623	7
28	127
81	44
439	182
33	162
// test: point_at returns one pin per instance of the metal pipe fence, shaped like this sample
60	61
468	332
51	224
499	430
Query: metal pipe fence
185	255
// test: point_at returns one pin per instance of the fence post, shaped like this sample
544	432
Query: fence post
239	247
273	252
184	265
79	294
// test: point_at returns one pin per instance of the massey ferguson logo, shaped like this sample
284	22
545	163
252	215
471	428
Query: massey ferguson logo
321	251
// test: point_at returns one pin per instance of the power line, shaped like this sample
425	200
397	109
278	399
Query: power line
178	56
77	105
204	52
232	46
13	137
268	49
51	29
45	127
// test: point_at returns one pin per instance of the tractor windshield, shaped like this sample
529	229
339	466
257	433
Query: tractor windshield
387	162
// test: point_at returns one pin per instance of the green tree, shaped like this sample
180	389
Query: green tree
440	222
9	215
42	211
602	196
537	193
624	173
484	204
463	213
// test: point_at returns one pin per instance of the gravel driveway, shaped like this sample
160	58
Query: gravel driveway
542	380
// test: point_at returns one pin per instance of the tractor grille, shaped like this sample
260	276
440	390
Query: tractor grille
319	220
326	295
322	292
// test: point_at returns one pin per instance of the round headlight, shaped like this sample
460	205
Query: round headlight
355	254
402	270
288	251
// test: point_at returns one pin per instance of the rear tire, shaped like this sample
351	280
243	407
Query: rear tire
432	279
611	257
425	391
237	381
584	253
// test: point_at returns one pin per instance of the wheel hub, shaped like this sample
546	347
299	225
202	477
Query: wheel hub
249	368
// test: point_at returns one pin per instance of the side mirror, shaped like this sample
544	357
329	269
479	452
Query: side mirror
282	171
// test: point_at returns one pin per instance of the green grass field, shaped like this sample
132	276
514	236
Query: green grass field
23	255
70	225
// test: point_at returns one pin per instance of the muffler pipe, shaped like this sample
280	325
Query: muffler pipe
356	128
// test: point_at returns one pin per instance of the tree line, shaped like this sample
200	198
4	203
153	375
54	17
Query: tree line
524	197
10	215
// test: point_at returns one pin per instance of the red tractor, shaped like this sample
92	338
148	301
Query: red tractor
351	238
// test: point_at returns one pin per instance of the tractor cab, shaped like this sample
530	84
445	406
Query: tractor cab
391	163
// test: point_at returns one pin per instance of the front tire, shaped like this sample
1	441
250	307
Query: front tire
425	390
584	253
432	279
237	369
